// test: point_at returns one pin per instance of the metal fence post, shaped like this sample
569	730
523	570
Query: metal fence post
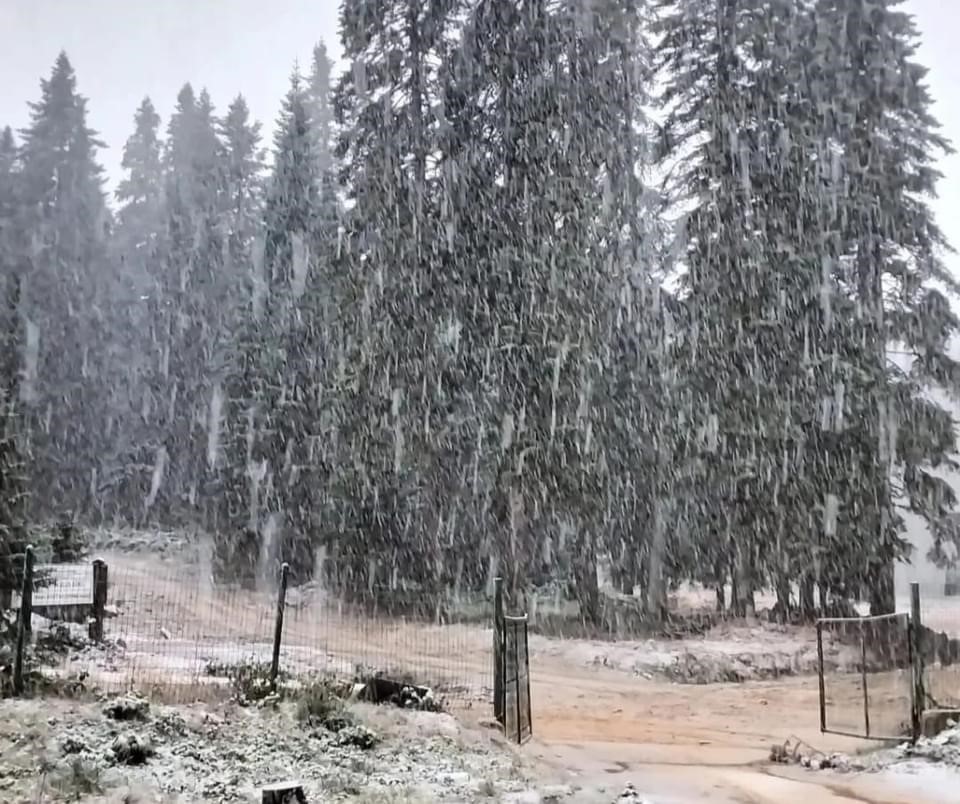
916	656
516	677
23	621
498	658
95	629
863	681
526	661
278	627
820	680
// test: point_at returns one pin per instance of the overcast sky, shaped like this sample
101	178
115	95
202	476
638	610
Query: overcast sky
123	50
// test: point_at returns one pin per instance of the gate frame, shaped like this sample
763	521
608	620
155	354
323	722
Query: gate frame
913	657
501	622
518	624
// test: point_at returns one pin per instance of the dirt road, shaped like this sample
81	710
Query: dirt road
596	726
684	743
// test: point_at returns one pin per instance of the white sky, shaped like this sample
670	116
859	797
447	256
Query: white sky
125	49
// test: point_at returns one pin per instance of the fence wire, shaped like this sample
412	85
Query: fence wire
941	650
174	633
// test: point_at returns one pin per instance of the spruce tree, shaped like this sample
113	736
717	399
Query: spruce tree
139	242
236	546
396	497
194	293
12	491
320	108
885	249
290	244
65	286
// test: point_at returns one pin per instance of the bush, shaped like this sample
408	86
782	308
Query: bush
318	704
250	680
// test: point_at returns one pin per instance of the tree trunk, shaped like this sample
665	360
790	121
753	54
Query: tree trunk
745	582
881	587
656	589
807	602
585	572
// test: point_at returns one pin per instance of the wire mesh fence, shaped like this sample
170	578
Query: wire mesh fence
940	642
170	631
874	696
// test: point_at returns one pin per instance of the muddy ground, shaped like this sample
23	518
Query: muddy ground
605	714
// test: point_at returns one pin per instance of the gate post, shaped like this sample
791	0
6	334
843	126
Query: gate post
498	648
278	625
820	680
916	661
23	620
95	628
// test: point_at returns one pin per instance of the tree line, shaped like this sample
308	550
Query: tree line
526	284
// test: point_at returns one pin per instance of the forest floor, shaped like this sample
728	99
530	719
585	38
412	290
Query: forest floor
605	714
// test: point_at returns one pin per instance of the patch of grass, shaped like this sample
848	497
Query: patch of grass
250	680
78	779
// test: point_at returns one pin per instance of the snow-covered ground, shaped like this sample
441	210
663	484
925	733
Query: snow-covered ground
67	750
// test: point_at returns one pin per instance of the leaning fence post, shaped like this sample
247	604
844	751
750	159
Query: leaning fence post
95	629
278	627
916	655
23	621
498	668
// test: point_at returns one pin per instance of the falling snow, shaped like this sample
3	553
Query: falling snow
603	297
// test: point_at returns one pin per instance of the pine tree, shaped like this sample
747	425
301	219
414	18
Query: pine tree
885	249
395	496
139	242
243	161
140	192
290	243
320	108
64	288
237	549
194	295
9	203
742	302
12	492
536	97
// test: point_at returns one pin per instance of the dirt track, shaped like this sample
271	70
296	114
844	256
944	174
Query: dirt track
676	743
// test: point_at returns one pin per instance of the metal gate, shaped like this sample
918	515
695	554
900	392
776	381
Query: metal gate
512	677
875	698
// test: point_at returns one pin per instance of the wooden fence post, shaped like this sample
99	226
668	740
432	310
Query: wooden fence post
278	627
95	629
498	658
916	656
23	621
